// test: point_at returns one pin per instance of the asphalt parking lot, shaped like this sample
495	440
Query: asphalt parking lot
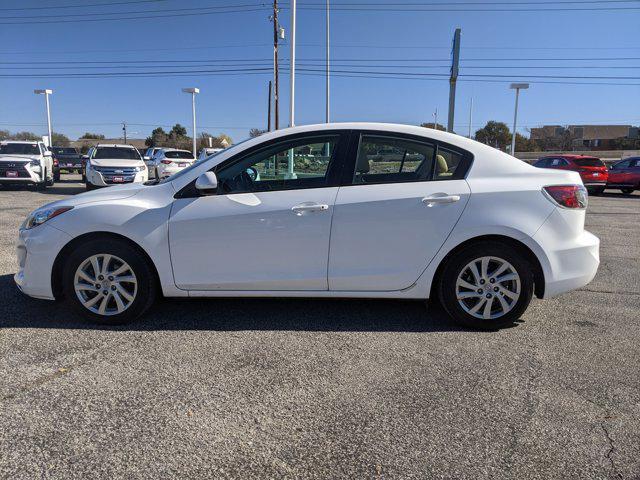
325	388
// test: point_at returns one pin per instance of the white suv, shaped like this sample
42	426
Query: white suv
26	162
114	165
168	161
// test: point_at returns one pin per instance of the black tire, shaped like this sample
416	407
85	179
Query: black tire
143	271
56	176
627	191
89	186
457	263
42	185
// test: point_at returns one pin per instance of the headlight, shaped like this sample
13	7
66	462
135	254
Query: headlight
40	216
140	169
34	163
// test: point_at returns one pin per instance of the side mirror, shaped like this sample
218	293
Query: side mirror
146	158
207	183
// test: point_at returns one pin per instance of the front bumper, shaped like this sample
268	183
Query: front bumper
100	180
569	255
37	249
26	174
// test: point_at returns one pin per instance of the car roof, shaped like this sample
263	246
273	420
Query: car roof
569	156
175	150
26	142
112	145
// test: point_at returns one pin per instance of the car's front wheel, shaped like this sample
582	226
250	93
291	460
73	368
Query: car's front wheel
487	285
109	281
627	191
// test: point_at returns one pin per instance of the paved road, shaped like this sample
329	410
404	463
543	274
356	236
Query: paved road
326	389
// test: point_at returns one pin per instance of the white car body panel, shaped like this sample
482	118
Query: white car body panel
254	245
35	172
254	241
366	257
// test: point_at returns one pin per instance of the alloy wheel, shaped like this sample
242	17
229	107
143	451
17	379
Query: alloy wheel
105	284
488	287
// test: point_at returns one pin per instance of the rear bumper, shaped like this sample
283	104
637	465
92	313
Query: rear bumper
569	255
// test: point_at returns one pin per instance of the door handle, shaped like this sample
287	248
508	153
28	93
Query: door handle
432	200
309	207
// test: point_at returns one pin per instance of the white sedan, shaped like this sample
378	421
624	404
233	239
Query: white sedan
169	161
335	210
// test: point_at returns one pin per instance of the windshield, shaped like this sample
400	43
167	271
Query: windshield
20	149
589	162
102	153
177	154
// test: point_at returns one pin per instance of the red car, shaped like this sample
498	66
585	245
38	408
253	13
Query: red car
625	175
592	170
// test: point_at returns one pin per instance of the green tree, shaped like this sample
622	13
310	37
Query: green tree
178	131
60	140
494	133
157	139
256	132
28	136
92	136
216	142
4	134
433	125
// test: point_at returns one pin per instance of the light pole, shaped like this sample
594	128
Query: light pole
193	91
292	69
517	87
328	65
46	94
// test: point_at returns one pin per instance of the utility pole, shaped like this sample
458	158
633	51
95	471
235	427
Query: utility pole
455	62
46	93
470	115
292	68
269	109
124	131
276	91
328	65
435	119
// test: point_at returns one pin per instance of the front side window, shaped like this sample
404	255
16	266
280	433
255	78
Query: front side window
392	160
297	164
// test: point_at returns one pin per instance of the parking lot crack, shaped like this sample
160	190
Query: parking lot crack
610	452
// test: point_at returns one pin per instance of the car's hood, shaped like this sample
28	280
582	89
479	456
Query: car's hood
115	162
116	192
18	158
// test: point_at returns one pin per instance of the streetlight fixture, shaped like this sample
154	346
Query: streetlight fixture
517	87
193	91
46	93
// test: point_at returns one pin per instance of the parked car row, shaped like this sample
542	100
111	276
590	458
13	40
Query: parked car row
596	177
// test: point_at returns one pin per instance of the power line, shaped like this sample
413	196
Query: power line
86	5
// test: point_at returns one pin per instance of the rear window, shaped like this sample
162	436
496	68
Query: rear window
186	155
65	151
102	153
589	162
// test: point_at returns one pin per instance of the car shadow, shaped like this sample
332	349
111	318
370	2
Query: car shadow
236	314
619	194
62	187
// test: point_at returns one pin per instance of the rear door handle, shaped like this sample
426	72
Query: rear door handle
432	200
309	207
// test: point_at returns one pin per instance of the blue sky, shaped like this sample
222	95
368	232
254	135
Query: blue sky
235	103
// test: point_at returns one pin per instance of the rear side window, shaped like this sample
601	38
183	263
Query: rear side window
384	159
446	164
589	162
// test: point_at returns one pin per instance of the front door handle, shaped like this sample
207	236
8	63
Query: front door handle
437	199
309	207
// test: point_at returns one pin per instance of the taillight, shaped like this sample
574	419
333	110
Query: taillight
567	196
166	162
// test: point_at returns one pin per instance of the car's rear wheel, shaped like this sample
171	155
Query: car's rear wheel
487	285
108	281
627	191
596	191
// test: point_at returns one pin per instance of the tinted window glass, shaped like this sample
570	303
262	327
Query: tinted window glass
636	163
392	160
20	149
303	163
116	153
541	163
621	165
589	162
186	155
446	164
64	151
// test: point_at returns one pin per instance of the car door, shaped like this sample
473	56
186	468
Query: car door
619	173
268	225
402	198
